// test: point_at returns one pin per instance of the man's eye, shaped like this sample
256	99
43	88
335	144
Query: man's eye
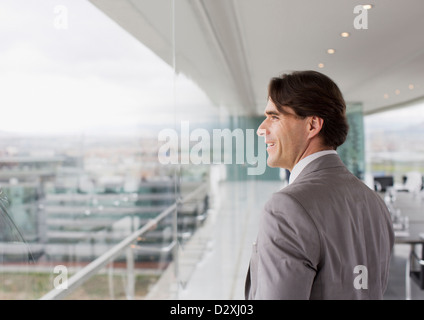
274	117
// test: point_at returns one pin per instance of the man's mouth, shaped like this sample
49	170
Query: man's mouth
270	145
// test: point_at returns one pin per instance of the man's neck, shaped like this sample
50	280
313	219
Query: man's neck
312	148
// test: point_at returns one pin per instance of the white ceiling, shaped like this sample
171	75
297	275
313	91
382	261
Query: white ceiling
231	48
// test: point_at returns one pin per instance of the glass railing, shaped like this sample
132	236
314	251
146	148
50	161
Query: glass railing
16	259
119	272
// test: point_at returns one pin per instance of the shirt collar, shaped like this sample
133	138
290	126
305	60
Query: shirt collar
298	168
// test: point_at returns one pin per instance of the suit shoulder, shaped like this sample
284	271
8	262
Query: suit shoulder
285	205
285	218
280	199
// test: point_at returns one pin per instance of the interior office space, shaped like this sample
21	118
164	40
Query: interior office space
97	201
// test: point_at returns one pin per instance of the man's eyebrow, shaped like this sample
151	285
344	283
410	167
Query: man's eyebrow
282	113
272	113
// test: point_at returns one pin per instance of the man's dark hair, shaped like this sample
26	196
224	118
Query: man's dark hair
311	93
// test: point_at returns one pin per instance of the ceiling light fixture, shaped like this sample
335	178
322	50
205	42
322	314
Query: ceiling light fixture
321	65
397	91
411	87
386	96
345	34
331	51
367	6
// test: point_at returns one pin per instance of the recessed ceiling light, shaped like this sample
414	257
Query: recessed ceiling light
411	87
386	96
321	65
367	6
331	51
345	34
397	91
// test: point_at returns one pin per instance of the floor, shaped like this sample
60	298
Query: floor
213	265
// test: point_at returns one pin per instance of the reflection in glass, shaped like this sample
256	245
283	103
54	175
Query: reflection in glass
79	162
15	257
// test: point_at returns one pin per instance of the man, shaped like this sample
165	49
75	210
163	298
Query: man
326	235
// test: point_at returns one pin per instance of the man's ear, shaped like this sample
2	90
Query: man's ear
314	126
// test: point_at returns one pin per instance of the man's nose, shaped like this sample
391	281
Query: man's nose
261	130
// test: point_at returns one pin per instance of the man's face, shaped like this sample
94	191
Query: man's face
286	136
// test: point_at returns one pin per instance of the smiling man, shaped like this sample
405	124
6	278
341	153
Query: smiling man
326	235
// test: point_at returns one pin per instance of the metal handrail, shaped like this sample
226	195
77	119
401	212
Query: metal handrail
417	259
92	268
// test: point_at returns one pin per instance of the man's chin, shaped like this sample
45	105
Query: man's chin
271	164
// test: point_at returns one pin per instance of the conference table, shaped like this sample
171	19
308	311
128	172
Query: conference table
414	269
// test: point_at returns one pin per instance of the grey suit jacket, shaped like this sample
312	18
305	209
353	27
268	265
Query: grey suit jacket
325	236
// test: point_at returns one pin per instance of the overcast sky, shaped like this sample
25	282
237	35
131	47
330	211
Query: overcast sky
396	119
93	74
88	75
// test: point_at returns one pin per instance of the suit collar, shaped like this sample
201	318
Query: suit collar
298	168
324	162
